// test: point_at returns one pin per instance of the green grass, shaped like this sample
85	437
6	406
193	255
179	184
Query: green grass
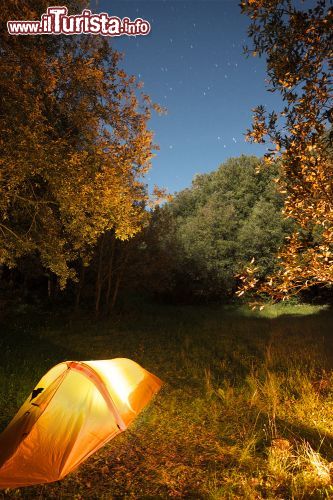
246	410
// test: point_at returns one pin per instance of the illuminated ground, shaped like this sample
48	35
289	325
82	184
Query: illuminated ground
246	410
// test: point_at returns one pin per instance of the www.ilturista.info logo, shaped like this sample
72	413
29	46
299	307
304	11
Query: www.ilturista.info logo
56	21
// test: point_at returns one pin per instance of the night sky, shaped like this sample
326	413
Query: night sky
192	62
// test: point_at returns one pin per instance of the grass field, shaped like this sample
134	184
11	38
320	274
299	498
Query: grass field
246	410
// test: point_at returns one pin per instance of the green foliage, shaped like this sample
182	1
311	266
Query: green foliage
203	238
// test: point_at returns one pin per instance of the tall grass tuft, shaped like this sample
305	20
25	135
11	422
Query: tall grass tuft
246	411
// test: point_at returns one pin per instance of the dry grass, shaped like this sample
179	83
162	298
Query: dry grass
246	411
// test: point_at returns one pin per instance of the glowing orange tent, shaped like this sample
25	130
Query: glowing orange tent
74	410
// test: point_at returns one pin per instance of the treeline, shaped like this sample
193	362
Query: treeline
190	249
74	149
195	246
74	146
74	222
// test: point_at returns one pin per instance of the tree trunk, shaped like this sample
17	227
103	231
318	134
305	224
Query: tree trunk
118	280
79	287
110	273
49	286
99	280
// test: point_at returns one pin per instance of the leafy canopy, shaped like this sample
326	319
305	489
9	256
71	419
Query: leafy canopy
74	144
298	45
197	243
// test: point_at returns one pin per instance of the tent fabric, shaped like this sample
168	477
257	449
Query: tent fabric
76	408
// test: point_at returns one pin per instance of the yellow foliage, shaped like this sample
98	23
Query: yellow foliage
298	52
74	145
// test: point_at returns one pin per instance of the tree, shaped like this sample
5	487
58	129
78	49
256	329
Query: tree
298	46
74	145
197	243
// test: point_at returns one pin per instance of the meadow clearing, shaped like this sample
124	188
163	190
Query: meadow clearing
246	410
